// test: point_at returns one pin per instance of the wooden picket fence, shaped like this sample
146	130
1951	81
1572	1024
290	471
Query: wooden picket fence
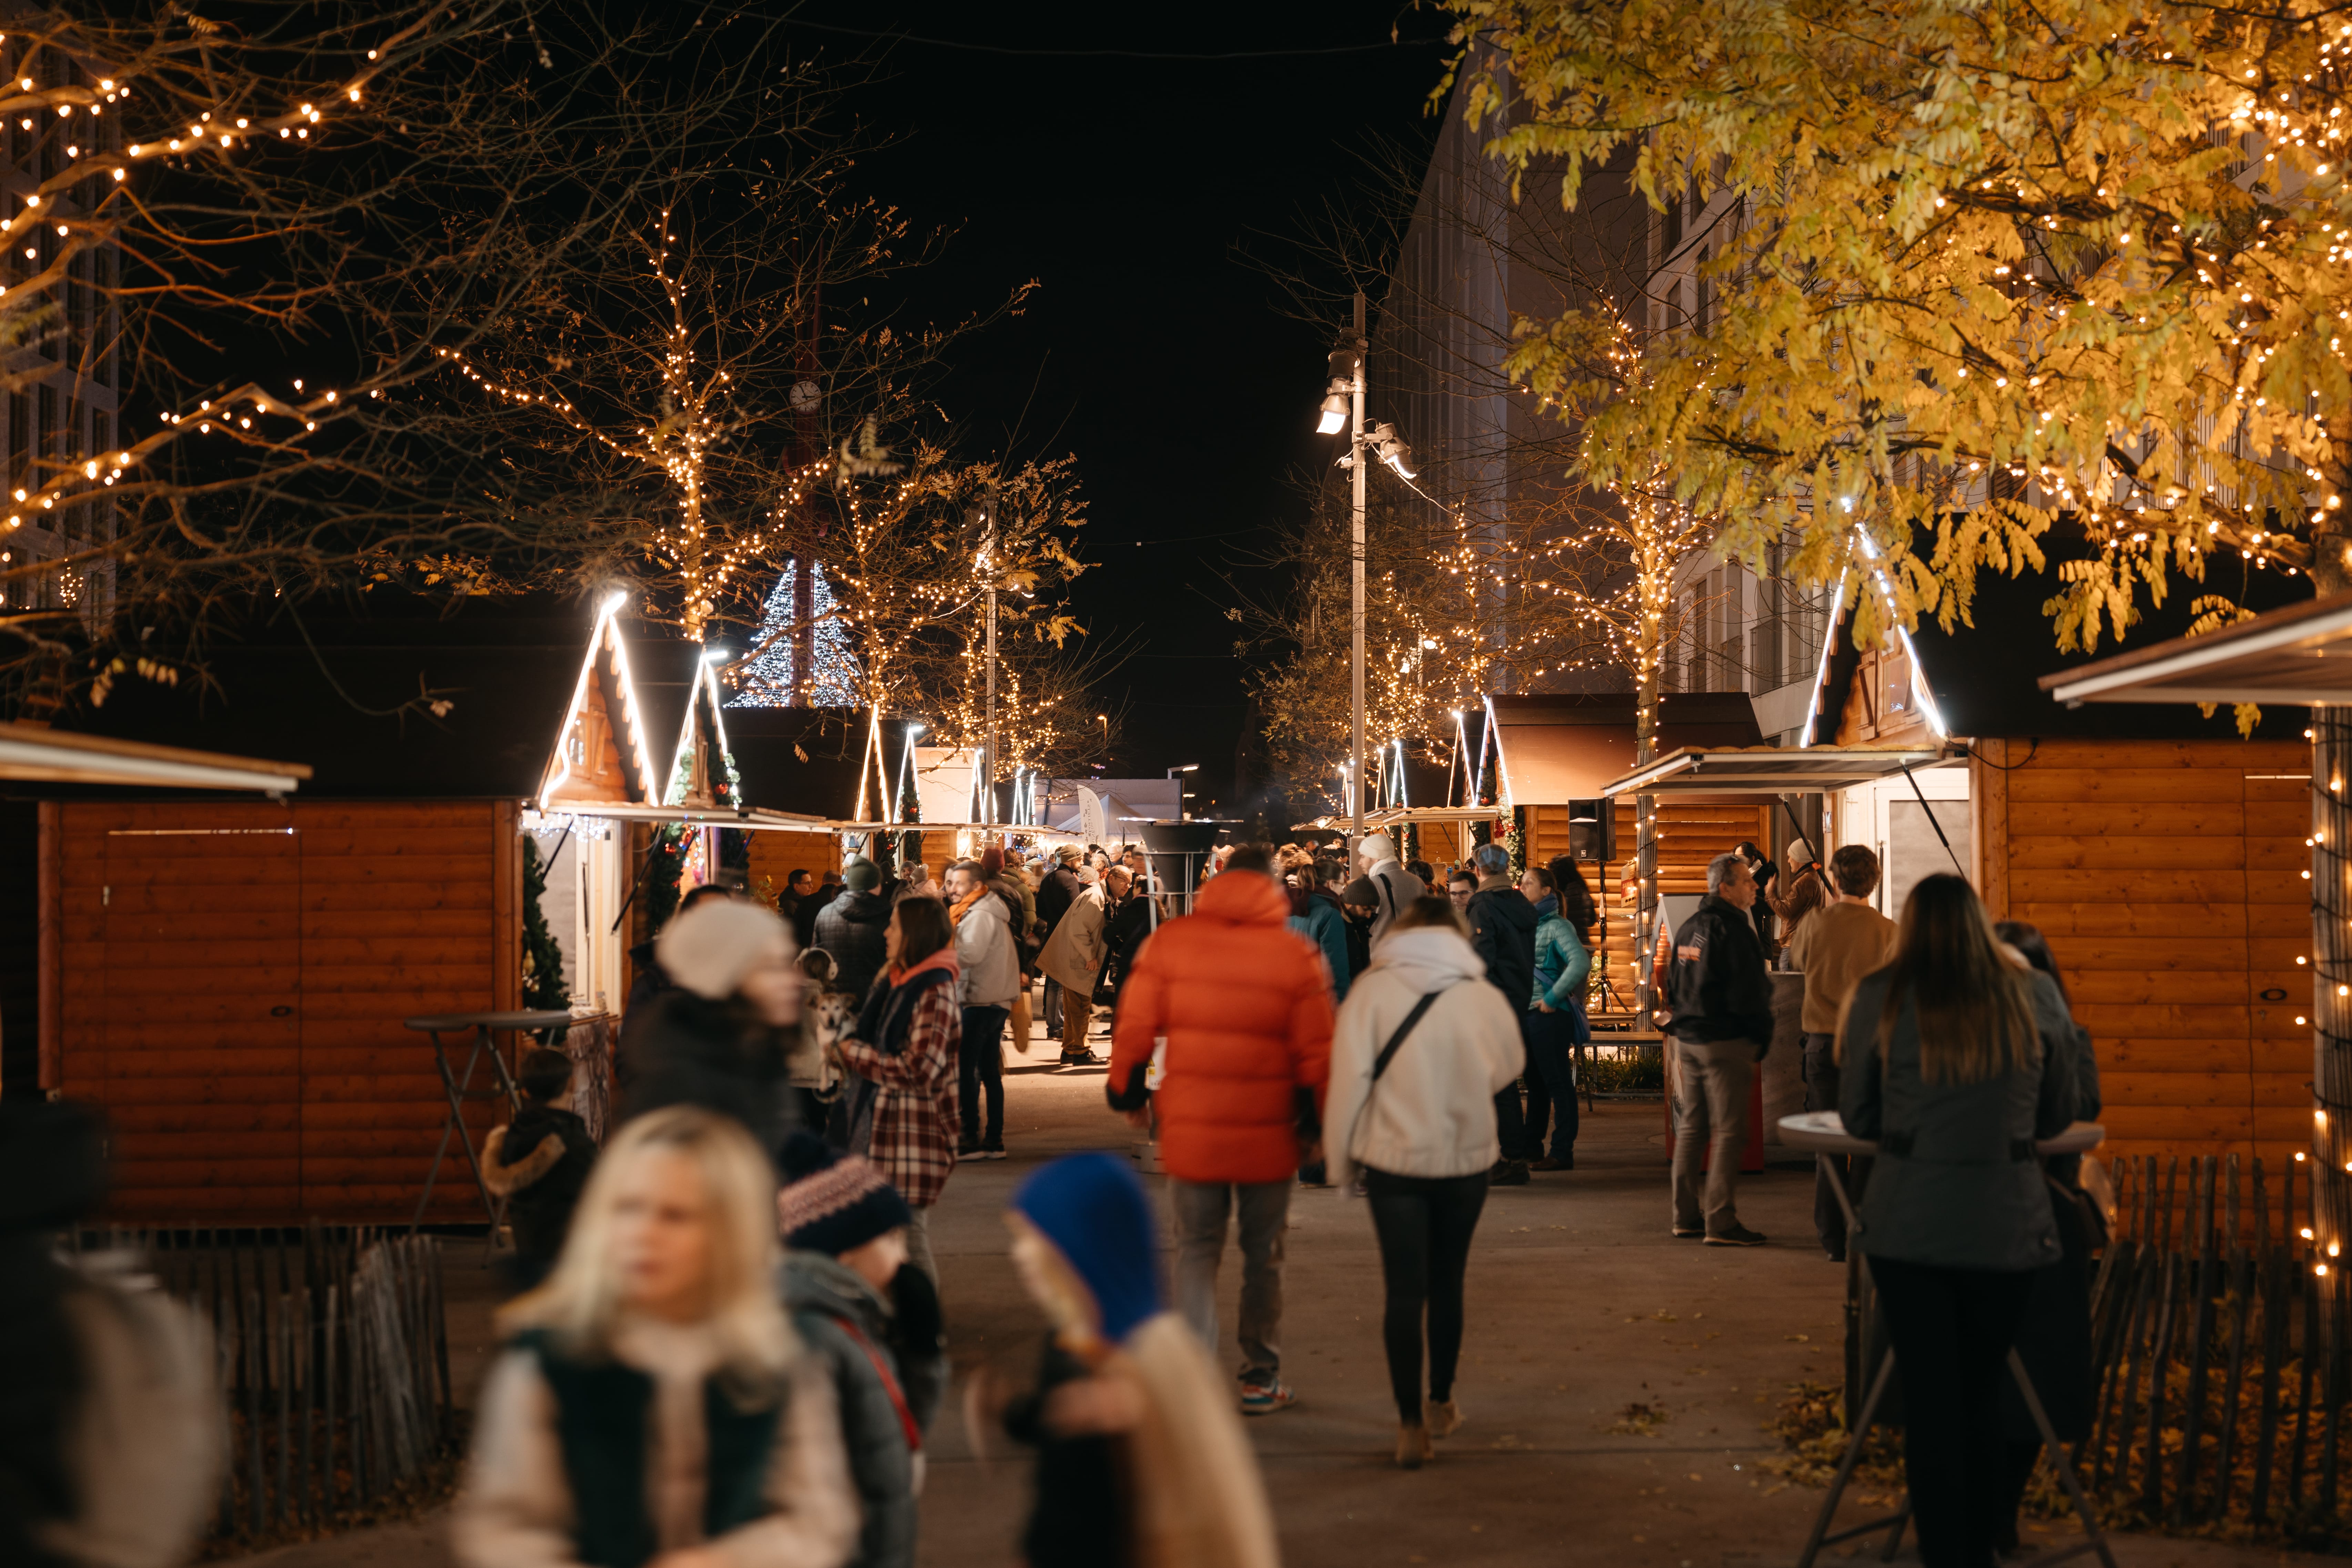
334	1363
2219	1354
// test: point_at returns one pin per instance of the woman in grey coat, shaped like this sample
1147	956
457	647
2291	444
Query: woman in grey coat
1955	1059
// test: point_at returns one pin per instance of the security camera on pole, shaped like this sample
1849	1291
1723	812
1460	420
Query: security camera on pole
1343	404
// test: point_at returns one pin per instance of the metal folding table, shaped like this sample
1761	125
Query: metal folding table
1823	1132
460	1085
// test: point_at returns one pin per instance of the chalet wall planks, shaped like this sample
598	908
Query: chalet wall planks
2168	876
231	980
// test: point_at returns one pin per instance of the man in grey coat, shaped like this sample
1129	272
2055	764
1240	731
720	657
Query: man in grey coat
1722	1024
1396	886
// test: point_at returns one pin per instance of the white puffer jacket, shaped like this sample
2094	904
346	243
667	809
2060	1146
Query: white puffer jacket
983	943
1433	1112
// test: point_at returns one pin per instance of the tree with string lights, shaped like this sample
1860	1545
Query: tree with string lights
1968	272
912	542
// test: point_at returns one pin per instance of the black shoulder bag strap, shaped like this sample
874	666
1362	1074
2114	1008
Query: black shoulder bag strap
1388	897
1380	1062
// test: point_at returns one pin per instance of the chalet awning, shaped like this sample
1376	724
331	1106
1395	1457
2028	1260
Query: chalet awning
51	756
2300	656
1772	770
753	821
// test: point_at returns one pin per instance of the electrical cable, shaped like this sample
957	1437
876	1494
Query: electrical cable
1103	54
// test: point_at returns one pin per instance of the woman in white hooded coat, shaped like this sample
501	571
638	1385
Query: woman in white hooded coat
1420	1048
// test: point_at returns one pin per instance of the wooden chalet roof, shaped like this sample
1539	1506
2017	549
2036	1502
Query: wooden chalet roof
1985	680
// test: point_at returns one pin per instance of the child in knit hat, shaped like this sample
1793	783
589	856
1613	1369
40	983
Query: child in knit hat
1141	1455
872	1320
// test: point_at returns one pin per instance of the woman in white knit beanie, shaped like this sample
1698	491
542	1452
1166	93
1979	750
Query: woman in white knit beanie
718	1039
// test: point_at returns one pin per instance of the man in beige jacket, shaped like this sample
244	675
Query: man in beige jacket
1074	959
1834	947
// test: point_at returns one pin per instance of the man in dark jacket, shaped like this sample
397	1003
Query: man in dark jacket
1503	931
800	892
1722	1023
852	929
1056	892
1124	929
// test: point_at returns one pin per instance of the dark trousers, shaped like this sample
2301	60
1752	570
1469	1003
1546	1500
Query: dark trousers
1550	1042
1424	1224
979	1062
1821	1094
1952	1329
1511	1118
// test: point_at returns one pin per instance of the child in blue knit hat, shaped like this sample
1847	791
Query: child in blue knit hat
1141	1455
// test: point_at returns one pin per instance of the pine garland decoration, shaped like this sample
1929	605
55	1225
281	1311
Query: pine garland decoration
543	987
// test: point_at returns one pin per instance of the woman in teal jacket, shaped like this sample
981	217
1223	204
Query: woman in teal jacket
1553	1025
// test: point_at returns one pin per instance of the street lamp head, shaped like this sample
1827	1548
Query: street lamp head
1335	409
1392	449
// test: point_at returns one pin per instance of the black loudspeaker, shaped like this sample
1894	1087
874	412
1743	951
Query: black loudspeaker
1591	829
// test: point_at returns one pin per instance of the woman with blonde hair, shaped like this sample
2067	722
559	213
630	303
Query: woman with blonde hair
653	1407
1955	1058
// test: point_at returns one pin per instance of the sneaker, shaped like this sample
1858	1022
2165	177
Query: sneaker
1688	1232
1442	1417
990	1151
1081	1060
1265	1398
1549	1163
1738	1236
967	1150
1508	1174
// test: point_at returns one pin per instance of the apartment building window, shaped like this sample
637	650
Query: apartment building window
45	436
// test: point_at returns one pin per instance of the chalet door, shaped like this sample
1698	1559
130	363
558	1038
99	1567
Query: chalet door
182	966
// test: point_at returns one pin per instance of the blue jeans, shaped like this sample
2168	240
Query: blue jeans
978	1063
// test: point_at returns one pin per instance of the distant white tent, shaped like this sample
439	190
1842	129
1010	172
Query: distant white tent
1126	803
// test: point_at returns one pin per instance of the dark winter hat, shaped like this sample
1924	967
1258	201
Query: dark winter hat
1360	893
1098	1215
859	875
832	1201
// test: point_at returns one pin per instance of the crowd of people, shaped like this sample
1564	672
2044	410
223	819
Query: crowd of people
726	1338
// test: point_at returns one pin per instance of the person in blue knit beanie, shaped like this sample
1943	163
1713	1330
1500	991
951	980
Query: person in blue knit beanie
1140	1455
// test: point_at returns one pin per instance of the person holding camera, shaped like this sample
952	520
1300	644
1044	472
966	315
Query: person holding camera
1722	1026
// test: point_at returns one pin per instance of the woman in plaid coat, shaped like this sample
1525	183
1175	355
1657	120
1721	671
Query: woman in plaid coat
903	1116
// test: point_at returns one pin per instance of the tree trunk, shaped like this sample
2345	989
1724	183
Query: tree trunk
1648	636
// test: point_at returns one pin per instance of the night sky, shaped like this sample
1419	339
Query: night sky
1175	370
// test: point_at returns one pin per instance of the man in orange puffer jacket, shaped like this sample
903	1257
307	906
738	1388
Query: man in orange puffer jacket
1245	1004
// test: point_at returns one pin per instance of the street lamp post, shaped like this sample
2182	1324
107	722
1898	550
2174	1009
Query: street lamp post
1343	406
1356	584
987	760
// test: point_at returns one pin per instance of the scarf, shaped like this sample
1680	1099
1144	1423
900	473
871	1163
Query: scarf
962	907
883	1022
